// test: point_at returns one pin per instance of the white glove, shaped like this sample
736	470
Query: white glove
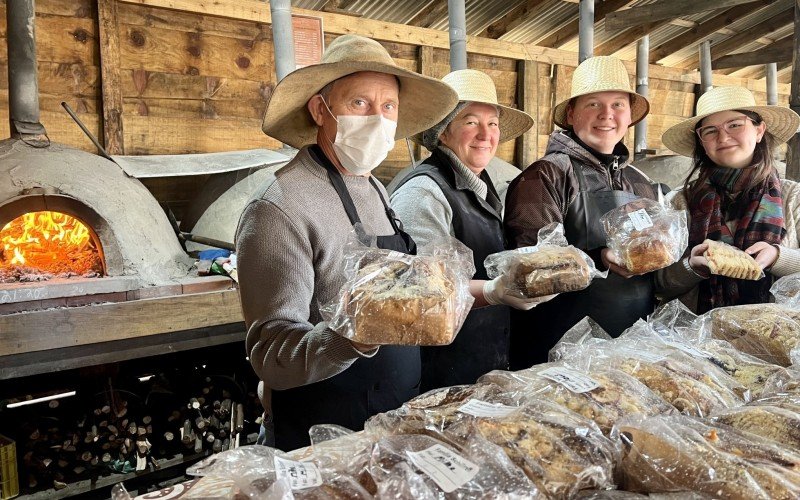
496	292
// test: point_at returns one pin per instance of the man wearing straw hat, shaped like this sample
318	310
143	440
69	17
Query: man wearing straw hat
344	115
584	174
451	194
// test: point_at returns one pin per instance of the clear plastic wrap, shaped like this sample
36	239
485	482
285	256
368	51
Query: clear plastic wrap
204	488
727	260
749	371
677	453
395	298
766	331
602	394
787	291
646	236
780	425
585	332
416	466
674	318
552	266
265	473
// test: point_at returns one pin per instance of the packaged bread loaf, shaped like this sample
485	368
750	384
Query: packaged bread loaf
645	236
748	370
550	267
766	331
726	260
678	453
395	298
786	291
779	425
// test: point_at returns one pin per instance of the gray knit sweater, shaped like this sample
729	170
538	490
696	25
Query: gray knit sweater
290	244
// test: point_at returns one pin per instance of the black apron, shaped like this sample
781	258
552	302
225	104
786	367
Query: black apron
370	385
615	303
482	343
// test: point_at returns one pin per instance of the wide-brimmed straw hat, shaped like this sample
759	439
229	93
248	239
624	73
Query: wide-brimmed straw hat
423	100
601	74
781	122
476	86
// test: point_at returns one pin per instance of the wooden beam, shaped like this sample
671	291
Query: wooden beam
113	141
626	37
515	17
429	14
527	89
793	146
778	52
701	31
569	32
729	45
758	72
256	11
665	10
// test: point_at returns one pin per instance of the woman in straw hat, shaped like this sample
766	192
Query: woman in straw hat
584	174
733	194
344	115
452	194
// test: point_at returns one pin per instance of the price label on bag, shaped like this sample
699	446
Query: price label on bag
395	255
446	468
478	408
573	380
647	356
641	220
300	475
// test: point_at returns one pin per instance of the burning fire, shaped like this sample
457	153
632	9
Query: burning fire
48	242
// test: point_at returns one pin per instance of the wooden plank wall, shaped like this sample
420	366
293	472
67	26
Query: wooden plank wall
190	82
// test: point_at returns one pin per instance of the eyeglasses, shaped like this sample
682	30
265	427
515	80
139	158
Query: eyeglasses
732	127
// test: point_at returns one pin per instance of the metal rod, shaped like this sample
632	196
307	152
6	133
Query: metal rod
457	18
282	37
585	30
23	82
86	131
705	67
642	86
772	83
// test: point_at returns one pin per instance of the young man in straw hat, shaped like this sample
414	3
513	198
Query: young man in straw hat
344	115
451	194
736	197
584	174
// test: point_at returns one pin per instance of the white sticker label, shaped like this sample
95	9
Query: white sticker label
640	219
448	469
526	250
647	356
478	408
300	475
691	351
571	379
395	255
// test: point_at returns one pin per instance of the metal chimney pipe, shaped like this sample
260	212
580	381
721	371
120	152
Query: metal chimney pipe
772	84
282	37
642	85
23	84
705	67
457	17
585	30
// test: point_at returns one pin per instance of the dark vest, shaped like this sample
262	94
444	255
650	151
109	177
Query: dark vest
482	343
615	303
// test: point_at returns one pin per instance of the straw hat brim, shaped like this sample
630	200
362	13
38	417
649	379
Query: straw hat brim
424	101
640	106
782	123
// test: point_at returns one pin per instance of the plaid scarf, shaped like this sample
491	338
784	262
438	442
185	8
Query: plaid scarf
757	215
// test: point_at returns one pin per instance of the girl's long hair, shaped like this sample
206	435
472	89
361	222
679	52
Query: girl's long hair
762	156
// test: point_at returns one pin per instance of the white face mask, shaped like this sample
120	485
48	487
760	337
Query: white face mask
362	142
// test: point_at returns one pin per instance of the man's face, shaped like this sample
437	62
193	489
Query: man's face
601	119
363	94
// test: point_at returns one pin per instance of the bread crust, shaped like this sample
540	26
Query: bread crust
551	270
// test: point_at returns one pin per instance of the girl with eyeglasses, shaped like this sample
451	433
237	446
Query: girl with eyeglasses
733	194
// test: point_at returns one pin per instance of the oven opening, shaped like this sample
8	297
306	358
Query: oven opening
38	246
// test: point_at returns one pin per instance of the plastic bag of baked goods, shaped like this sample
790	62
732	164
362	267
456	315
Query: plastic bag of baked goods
414	466
678	453
394	298
646	236
585	332
552	266
778	424
600	393
787	291
262	472
766	331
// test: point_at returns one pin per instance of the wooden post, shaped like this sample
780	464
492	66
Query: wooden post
109	70
793	147
527	85
424	67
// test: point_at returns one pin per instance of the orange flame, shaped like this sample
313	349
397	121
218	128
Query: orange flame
48	242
